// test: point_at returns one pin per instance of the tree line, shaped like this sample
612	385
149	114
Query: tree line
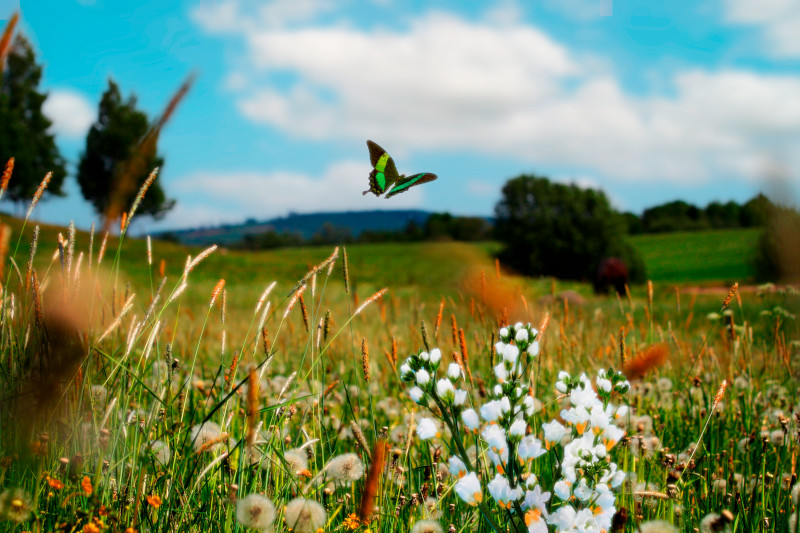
119	153
437	227
683	216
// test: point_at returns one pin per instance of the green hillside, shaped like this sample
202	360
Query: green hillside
699	256
692	257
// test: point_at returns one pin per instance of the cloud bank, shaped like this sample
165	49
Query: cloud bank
508	89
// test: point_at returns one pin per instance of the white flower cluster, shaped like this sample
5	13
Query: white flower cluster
421	370
507	424
587	473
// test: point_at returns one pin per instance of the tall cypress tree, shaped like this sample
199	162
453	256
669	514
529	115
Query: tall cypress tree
120	154
24	128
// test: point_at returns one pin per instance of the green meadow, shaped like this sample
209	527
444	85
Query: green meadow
700	256
198	401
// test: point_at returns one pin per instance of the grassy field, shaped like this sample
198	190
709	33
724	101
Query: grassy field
211	407
699	256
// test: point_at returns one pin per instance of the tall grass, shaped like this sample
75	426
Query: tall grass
163	401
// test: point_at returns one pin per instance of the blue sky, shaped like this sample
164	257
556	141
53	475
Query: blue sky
650	101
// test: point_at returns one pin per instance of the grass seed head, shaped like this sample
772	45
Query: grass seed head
370	492
345	271
216	292
728	298
38	194
371	299
359	435
720	393
365	359
252	405
424	332
6	176
303	311
645	361
438	321
5	41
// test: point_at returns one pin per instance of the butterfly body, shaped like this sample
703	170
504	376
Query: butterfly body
384	176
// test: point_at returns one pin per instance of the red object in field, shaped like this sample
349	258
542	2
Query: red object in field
612	272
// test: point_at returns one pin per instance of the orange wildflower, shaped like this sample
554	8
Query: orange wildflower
352	522
154	501
86	485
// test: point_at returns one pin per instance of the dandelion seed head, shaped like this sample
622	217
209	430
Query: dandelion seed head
712	523
15	505
305	516
98	395
203	434
657	526
345	468
427	526
255	511
296	460
161	452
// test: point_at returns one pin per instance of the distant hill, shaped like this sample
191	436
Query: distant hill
305	224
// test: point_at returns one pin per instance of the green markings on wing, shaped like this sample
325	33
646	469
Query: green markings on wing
384	171
405	183
384	174
380	166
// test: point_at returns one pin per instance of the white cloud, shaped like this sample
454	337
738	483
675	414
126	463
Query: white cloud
218	16
779	20
237	81
71	112
232	16
237	195
504	12
581	9
508	89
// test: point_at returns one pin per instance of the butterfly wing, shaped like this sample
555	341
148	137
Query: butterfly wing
406	182
384	172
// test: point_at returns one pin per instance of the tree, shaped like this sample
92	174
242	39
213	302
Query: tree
756	211
120	154
674	216
24	128
560	230
727	215
633	222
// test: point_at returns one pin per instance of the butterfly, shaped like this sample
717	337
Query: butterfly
384	175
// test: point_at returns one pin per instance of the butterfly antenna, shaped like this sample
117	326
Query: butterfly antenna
365	192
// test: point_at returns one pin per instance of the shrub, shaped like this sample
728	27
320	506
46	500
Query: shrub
778	253
553	229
